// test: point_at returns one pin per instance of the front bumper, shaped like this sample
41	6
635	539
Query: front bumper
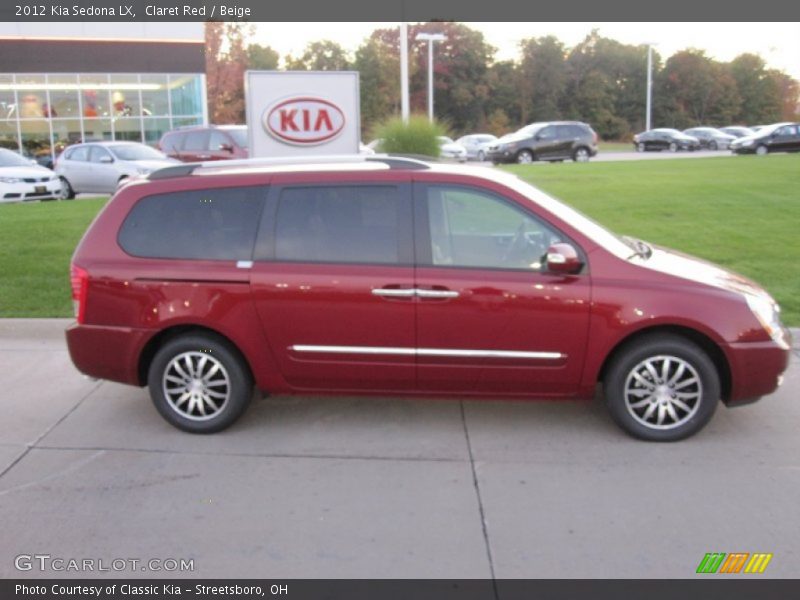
21	192
756	369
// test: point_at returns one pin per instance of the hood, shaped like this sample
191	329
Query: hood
454	147
683	136
26	172
511	137
698	270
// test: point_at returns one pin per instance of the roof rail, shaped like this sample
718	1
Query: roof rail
392	161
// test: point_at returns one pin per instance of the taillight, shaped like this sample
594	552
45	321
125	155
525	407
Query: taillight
79	279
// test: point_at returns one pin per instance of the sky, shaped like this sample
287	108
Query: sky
777	43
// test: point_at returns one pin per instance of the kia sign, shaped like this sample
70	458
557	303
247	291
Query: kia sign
291	113
304	121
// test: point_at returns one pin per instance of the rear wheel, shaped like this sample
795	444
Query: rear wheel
673	147
640	147
199	383
581	154
662	388
762	150
481	155
525	157
67	193
712	145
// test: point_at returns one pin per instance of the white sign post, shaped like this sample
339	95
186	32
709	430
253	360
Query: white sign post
298	113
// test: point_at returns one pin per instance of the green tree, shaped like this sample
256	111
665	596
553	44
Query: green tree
324	55
544	78
262	58
379	69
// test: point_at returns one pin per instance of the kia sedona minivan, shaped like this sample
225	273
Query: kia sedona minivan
384	275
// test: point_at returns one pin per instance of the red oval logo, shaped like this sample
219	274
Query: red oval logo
303	121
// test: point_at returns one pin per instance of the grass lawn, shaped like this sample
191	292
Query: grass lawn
36	244
742	212
615	146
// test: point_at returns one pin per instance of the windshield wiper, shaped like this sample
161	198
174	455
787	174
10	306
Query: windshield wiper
640	248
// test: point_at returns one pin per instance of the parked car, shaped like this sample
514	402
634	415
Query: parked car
450	149
384	275
711	138
203	143
780	137
100	167
21	179
477	144
737	131
551	141
664	139
364	149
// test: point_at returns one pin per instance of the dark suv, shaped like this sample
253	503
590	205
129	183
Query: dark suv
212	142
553	141
382	275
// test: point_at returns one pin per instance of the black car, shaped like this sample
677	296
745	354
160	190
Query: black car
664	139
711	138
780	137
549	141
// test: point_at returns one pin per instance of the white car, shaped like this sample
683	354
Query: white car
477	144
100	167
450	149
21	179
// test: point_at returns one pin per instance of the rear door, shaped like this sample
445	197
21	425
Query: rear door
195	146
332	283
490	319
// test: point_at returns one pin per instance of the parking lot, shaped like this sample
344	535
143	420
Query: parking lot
376	487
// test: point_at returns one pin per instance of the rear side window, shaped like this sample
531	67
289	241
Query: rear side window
215	224
339	224
172	142
196	140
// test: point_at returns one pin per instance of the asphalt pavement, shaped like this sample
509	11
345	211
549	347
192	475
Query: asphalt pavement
380	487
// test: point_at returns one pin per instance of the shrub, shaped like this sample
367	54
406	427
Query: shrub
418	136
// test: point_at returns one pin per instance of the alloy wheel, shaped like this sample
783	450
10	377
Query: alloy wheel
196	385
663	392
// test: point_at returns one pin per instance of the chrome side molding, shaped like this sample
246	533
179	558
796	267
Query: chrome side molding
455	352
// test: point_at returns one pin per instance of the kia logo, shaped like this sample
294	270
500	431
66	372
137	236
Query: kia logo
304	121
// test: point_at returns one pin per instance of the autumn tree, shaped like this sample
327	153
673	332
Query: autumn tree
226	62
324	55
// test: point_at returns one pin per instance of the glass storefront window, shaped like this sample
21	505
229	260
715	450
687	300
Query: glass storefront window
65	132
186	94
128	129
95	95
97	130
154	129
8	114
35	138
32	94
125	96
155	96
186	122
63	100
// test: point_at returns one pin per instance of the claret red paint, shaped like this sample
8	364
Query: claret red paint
385	275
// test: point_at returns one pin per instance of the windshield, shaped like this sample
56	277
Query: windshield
136	152
12	159
672	131
531	129
590	228
239	136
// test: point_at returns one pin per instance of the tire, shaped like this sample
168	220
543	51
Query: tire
689	371
67	193
640	147
712	145
762	150
581	154
481	156
524	157
185	363
673	147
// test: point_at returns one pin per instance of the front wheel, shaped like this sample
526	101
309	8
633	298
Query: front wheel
481	155
199	383
525	157
712	145
640	147
673	147
662	388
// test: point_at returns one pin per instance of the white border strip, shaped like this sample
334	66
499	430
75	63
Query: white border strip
428	352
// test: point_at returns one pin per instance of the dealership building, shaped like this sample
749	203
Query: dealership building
62	83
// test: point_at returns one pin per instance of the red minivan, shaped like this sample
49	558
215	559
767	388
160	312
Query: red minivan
382	275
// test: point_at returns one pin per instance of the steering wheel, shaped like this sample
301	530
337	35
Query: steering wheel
518	244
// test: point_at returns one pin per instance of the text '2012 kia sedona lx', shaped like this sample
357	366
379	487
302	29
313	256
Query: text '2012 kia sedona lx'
379	275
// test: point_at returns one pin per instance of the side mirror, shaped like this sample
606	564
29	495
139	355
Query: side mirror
106	159
563	258
226	148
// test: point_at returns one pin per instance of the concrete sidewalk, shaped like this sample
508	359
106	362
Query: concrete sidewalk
376	487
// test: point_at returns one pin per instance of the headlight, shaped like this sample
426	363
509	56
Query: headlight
10	180
746	143
768	314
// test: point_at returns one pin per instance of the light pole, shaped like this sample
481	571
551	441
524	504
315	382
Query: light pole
649	83
404	71
430	38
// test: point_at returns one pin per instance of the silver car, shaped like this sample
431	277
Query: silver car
477	145
99	167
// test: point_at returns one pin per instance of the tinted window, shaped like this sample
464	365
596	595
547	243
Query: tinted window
470	228
344	224
547	133
787	130
196	140
217	140
172	142
216	224
79	153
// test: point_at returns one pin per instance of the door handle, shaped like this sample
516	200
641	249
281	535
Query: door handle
394	292
436	293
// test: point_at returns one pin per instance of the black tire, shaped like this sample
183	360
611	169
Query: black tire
525	157
640	147
481	156
184	414
673	147
581	154
762	150
67	193
712	145
678	350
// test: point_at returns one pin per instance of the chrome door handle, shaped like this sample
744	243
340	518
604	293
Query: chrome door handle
393	293
436	293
